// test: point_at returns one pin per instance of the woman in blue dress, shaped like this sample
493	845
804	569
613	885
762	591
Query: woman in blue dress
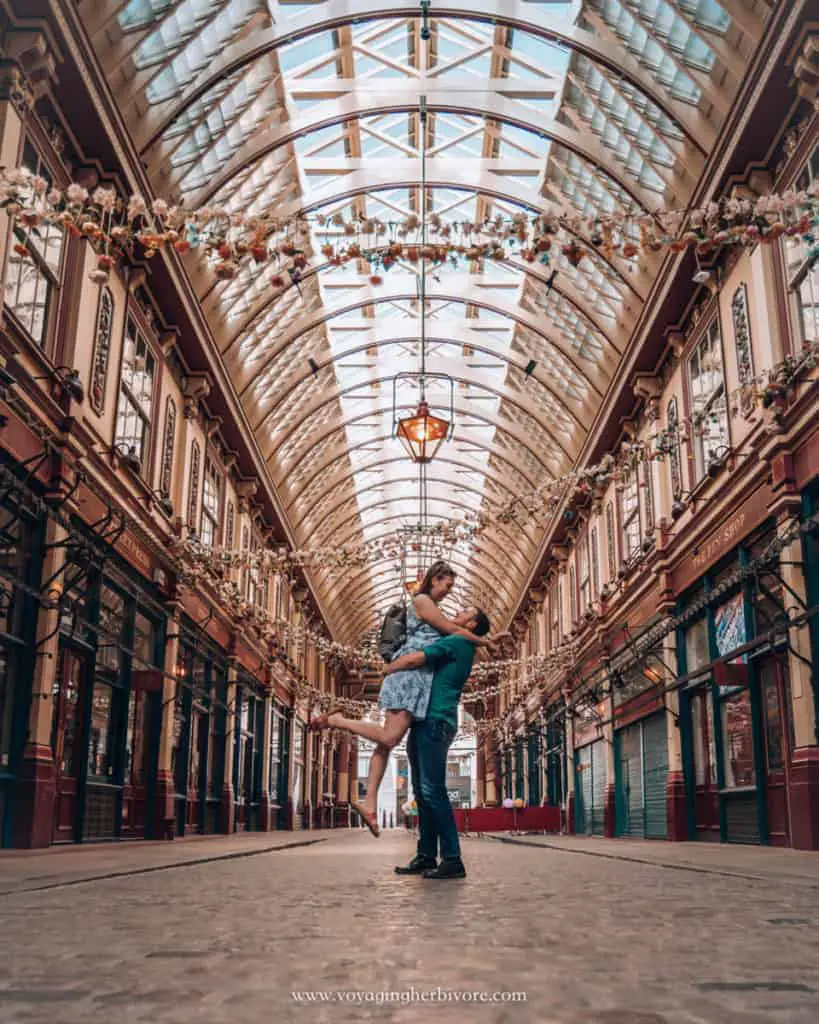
404	695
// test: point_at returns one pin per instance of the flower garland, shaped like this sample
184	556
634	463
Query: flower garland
114	225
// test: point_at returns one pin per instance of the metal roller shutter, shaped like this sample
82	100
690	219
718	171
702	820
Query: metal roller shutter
629	782
583	791
598	772
655	770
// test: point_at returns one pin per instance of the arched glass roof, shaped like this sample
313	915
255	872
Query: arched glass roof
598	106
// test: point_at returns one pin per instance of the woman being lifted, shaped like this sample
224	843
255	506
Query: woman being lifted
404	695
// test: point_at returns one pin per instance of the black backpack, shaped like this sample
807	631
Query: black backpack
393	630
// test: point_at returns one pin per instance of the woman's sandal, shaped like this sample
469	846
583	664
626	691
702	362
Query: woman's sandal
370	820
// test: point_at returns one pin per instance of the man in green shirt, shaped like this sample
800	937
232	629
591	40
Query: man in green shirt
429	741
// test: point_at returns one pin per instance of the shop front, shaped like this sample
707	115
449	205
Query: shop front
640	753
736	714
247	753
106	703
279	760
590	776
200	726
20	568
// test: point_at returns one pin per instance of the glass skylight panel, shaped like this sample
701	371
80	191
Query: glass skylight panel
195	33
306	51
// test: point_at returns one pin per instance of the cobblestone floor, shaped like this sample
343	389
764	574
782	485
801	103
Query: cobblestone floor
642	934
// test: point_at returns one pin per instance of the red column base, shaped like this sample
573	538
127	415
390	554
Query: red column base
33	825
227	814
805	798
163	824
341	816
609	814
676	809
570	816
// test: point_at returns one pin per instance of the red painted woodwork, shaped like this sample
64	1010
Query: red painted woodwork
805	798
36	788
501	819
68	741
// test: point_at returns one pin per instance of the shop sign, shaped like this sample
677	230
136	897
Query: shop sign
135	553
726	537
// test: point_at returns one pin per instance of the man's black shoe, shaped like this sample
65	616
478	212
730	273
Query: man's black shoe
417	866
448	869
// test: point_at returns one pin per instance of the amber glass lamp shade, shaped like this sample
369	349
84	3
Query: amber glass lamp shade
422	434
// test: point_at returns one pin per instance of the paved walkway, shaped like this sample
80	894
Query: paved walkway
224	931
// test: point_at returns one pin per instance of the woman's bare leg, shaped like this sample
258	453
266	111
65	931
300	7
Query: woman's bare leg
386	736
394	729
378	765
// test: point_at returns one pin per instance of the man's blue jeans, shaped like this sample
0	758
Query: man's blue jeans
427	748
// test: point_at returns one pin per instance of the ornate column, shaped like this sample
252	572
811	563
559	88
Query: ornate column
610	806
568	768
342	807
264	796
163	810
676	810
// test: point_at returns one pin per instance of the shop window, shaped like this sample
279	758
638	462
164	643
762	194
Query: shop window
630	514
101	733
111	623
34	263
584	574
136	397
702	718
66	714
211	503
298	766
276	731
737	740
774	735
802	270
709	411
697	648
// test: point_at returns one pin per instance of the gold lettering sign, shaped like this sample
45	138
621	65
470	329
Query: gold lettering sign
135	553
725	538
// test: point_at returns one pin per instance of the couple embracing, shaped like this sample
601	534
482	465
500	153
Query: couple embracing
420	694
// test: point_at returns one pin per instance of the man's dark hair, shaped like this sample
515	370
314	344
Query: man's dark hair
482	624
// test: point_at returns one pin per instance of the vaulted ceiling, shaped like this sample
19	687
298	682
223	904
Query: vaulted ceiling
315	108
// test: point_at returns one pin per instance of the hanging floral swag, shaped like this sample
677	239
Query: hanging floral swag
226	237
